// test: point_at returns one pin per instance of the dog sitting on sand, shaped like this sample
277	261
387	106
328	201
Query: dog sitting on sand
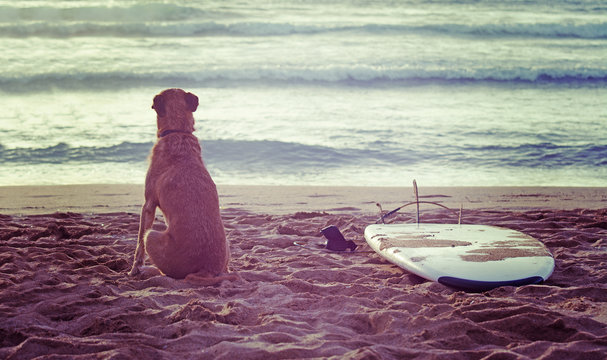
193	246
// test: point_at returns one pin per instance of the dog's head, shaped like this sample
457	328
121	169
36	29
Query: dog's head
174	108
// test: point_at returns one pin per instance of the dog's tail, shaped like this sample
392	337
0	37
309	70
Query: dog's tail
203	279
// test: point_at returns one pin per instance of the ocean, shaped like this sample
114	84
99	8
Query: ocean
371	93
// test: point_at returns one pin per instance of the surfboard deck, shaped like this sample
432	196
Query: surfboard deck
467	257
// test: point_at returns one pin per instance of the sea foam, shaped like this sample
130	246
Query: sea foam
164	19
306	75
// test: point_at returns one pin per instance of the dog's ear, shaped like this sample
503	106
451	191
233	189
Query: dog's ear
192	101
159	105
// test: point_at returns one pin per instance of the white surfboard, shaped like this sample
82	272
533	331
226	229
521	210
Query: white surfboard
468	257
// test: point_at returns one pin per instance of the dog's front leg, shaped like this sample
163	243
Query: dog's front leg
147	219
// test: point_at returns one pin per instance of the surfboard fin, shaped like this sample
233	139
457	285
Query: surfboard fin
335	239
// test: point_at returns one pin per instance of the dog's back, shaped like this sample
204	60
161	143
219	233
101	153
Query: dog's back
195	239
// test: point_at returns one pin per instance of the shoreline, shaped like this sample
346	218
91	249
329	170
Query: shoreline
284	199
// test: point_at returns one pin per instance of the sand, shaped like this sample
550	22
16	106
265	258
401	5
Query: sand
64	292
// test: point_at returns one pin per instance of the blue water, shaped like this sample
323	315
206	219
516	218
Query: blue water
304	92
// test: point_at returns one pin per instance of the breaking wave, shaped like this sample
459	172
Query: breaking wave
169	20
272	155
351	75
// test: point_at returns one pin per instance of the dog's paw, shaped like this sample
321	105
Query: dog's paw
134	271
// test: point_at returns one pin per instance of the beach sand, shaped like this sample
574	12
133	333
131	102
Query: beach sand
64	292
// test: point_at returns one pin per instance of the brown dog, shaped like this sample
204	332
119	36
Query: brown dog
193	246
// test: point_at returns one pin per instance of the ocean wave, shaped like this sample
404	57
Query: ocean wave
103	13
269	155
173	20
357	75
64	153
238	154
258	29
540	155
231	153
596	30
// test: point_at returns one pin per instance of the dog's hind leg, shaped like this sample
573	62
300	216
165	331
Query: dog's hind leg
160	251
167	256
179	263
